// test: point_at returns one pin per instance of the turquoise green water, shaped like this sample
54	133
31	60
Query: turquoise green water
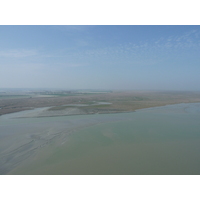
163	140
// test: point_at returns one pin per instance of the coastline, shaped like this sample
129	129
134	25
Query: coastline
116	102
44	112
29	130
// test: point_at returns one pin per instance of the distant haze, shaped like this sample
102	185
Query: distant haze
100	57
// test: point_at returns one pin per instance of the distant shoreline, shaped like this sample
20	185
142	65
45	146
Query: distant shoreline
109	103
57	115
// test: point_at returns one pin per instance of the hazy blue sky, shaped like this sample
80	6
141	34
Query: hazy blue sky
100	57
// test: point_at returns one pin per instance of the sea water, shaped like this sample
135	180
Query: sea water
161	140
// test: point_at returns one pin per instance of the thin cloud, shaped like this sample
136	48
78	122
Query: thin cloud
156	49
66	65
187	40
16	53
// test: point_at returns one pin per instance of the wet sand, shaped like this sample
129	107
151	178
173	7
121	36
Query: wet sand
119	102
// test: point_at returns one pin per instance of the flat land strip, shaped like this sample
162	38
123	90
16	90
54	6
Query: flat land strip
126	101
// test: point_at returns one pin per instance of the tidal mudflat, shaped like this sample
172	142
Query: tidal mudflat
160	140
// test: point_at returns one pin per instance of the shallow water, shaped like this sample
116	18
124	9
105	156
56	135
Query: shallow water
162	140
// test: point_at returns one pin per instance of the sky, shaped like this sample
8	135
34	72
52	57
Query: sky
117	57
